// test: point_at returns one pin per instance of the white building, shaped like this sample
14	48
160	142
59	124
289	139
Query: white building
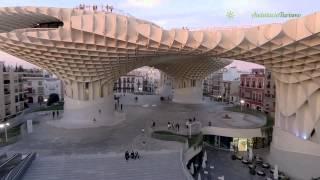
11	92
129	84
53	86
40	84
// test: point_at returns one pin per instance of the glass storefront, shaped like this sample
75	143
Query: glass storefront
235	144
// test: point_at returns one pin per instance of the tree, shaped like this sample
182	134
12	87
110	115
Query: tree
53	98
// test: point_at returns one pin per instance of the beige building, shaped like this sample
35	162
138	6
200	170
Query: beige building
11	92
220	84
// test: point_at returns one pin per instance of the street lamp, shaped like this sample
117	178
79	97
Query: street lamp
5	125
241	104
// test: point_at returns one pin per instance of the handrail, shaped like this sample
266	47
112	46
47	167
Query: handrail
18	171
4	155
184	167
8	161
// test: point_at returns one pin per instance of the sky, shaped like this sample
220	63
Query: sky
194	14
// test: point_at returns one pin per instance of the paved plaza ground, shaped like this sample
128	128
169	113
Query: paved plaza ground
109	143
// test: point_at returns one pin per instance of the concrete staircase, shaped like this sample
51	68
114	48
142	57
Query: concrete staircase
158	165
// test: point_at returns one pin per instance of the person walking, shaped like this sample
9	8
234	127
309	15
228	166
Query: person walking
121	107
53	114
132	154
57	113
153	124
126	155
136	155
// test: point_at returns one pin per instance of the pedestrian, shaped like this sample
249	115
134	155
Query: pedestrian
178	126
126	155
194	119
169	125
57	113
121	107
53	114
136	155
153	124
132	155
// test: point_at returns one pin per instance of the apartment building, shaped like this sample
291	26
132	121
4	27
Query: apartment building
12	95
252	89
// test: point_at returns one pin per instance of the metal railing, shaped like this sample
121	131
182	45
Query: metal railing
9	162
18	171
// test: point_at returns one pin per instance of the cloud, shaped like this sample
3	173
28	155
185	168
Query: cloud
140	3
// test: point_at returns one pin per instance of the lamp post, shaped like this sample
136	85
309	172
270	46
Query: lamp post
241	104
4	126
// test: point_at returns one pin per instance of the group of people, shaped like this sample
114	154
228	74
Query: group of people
132	155
54	114
173	126
116	106
189	121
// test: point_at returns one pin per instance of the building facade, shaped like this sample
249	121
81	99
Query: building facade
252	89
222	83
40	84
269	101
234	97
11	92
129	84
53	86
